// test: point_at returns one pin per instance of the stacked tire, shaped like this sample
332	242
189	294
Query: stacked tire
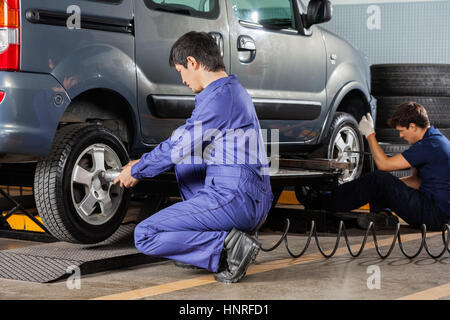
394	84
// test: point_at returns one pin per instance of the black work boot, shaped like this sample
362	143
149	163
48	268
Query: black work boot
241	250
311	198
381	221
183	265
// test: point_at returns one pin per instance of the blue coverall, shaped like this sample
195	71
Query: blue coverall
221	168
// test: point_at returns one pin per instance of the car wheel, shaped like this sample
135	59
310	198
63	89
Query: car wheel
344	143
74	201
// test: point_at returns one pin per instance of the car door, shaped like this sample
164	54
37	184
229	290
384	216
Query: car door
283	70
164	101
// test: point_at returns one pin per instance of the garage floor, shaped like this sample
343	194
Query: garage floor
273	276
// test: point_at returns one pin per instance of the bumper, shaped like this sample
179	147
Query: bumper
29	113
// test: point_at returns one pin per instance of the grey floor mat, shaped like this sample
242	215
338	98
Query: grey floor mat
52	261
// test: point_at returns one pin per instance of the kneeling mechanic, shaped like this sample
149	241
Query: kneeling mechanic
224	199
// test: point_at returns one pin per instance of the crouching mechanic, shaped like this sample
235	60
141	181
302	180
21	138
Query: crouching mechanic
424	197
224	194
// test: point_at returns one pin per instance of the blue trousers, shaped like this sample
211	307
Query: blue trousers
383	190
216	199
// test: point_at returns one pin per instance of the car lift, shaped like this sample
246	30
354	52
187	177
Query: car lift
51	261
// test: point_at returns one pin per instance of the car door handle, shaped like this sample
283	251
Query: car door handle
246	48
246	43
219	40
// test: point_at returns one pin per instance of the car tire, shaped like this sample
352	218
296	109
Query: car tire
410	80
151	205
438	109
392	150
76	205
343	136
391	135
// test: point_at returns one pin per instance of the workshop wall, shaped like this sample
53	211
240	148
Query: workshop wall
395	31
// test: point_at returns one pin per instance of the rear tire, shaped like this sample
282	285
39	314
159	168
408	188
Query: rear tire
75	204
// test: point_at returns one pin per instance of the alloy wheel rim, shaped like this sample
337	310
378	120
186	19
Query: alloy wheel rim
95	200
347	140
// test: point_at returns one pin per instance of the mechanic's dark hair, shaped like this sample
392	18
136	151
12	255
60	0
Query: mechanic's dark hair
199	45
410	112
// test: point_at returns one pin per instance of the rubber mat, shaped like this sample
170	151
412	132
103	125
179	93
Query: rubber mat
54	261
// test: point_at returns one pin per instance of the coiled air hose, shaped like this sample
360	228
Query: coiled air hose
342	231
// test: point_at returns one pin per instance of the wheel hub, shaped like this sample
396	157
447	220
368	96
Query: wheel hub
95	199
346	149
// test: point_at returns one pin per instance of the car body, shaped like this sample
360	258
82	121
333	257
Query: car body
113	71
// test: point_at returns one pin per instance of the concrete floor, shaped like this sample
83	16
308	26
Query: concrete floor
273	276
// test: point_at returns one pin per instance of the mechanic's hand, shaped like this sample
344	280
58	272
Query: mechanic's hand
125	179
131	163
366	126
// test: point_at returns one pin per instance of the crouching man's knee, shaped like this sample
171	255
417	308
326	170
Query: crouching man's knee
144	237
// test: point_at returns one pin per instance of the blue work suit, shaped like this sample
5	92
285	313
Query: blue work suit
221	168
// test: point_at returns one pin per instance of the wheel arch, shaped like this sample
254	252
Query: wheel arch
106	107
352	99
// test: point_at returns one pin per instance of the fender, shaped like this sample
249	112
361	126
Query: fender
348	70
340	95
30	112
100	67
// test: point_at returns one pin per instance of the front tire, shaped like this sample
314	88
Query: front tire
75	203
344	143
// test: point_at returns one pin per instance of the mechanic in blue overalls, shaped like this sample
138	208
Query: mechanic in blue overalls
221	167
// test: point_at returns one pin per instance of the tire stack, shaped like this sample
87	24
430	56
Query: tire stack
394	84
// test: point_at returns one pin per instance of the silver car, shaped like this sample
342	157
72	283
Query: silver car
79	99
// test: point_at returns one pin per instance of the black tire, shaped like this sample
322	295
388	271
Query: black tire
438	109
392	150
410	80
55	191
152	204
391	135
342	120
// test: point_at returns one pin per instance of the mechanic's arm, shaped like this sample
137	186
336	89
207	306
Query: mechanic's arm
383	162
186	141
413	181
159	160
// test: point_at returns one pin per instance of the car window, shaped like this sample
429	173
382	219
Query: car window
196	8
278	14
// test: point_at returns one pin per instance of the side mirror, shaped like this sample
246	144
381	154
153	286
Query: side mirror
319	11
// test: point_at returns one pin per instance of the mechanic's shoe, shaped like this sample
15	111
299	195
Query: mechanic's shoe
183	265
311	198
381	221
241	250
